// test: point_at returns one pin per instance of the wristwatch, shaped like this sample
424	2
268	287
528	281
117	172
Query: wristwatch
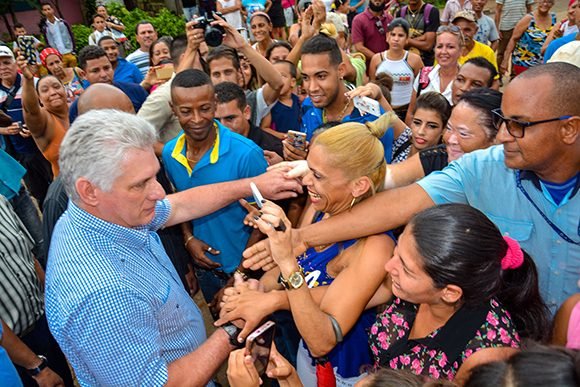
295	280
233	332
35	371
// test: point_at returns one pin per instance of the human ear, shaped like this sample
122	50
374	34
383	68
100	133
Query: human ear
361	186
570	130
451	294
87	192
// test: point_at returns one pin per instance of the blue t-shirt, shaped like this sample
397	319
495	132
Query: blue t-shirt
127	72
134	91
8	374
556	44
233	157
285	118
312	120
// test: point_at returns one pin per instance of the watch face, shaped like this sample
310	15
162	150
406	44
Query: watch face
296	280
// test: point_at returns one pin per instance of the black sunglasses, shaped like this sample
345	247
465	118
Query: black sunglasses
517	128
380	27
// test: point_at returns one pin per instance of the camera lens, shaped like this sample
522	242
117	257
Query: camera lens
214	36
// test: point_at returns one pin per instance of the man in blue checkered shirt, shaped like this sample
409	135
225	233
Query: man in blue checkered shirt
114	302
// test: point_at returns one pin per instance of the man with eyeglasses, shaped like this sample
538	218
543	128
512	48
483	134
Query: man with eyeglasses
528	186
369	29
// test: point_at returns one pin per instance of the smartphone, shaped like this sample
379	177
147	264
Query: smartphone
297	139
164	72
27	49
257	195
367	105
259	344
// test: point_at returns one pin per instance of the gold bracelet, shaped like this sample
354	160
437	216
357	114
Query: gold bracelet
187	240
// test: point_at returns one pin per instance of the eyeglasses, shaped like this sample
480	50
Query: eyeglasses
518	128
450	28
379	25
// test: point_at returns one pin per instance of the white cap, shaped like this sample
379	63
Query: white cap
5	51
568	53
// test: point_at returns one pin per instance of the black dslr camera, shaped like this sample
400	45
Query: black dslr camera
213	35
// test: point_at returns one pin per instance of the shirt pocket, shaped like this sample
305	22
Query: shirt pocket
519	230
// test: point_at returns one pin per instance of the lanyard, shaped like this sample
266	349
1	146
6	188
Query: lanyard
554	227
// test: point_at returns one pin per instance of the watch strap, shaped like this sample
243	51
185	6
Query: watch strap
36	370
233	332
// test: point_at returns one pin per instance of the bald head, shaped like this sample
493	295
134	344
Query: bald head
104	96
563	91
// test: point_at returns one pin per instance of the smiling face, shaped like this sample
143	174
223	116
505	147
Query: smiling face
541	144
195	108
261	28
101	10
464	132
544	6
329	189
146	35
160	52
134	194
111	48
321	79
51	92
54	66
478	5
447	49
427	128
410	281
469	77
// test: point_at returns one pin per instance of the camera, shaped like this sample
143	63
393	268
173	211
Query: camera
213	35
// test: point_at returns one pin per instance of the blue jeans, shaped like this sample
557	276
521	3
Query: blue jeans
28	214
189	12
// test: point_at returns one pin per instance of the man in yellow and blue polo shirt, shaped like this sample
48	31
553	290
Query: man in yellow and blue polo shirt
207	152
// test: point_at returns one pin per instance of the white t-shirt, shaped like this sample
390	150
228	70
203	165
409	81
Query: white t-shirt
233	18
434	84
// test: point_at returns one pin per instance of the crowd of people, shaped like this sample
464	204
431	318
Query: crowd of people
415	218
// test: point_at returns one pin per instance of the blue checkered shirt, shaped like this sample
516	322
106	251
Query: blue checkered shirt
115	303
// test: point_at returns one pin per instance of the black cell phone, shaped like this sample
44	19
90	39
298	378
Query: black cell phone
259	344
27	49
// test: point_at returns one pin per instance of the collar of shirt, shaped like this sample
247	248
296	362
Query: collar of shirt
368	14
531	176
221	146
135	237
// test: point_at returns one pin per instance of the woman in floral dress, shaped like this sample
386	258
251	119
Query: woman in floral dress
463	295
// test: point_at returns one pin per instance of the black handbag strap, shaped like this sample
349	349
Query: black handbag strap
11	95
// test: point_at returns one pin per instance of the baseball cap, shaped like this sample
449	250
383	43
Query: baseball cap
568	53
5	51
465	14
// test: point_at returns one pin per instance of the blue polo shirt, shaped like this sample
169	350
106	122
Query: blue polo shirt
8	373
482	180
127	72
312	120
233	157
11	172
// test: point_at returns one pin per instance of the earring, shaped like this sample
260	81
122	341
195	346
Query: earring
352	202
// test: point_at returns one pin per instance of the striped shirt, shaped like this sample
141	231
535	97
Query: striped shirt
21	299
512	12
115	303
140	59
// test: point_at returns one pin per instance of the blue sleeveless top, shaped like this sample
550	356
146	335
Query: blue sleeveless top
353	352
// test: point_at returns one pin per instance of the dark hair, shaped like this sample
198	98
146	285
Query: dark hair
190	78
456	242
483	63
228	91
43	3
276	44
436	102
385	83
88	53
18	25
43	77
564	75
387	377
484	100
541	366
178	46
291	67
321	44
101	5
399	22
165	40
223	51
142	23
96	15
106	37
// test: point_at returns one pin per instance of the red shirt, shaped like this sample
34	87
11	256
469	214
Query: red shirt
365	30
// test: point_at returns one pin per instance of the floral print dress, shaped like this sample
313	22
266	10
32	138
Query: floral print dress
428	356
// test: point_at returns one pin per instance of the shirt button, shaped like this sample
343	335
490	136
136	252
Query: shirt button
558	242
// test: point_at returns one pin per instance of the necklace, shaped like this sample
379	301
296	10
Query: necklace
195	160
414	16
339	118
